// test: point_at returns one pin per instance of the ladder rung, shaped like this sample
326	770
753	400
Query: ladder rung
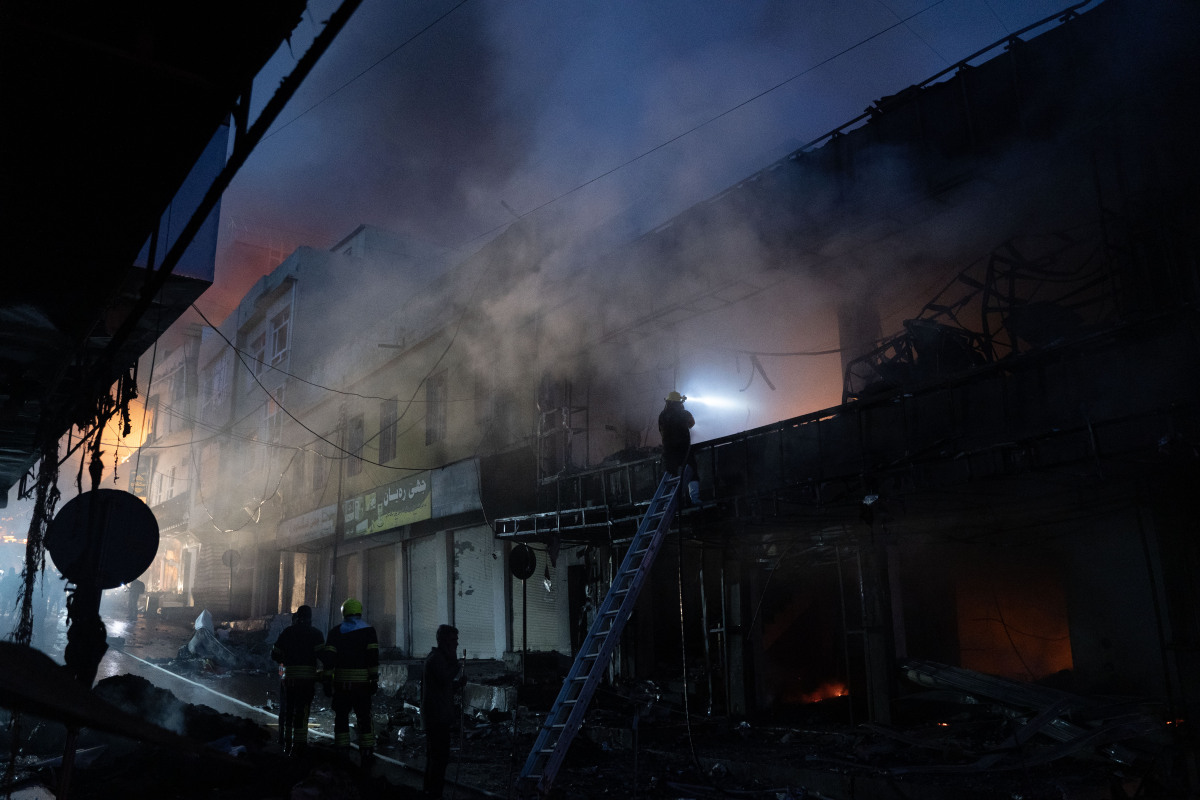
578	689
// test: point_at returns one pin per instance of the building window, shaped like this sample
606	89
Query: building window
435	408
152	417
275	416
280	325
388	411
354	444
299	479
176	385
218	385
258	353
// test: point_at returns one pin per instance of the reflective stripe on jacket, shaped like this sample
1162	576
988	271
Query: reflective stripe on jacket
297	650
352	652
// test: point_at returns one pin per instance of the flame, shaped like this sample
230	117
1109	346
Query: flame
825	691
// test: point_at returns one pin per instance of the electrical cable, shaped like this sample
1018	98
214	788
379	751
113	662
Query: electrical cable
395	50
293	417
916	35
244	355
724	113
411	401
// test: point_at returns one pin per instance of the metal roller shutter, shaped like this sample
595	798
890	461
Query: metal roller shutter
474	593
548	618
423	593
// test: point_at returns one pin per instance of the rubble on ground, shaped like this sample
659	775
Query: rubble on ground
955	734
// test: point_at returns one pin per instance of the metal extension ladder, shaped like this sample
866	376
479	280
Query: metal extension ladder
566	715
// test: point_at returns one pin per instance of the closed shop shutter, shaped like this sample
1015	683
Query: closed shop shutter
380	593
547	608
475	610
423	588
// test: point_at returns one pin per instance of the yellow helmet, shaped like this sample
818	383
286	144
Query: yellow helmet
676	397
351	607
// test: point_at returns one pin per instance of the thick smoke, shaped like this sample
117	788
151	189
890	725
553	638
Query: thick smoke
494	111
503	109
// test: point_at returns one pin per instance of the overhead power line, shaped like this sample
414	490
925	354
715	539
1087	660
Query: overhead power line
393	52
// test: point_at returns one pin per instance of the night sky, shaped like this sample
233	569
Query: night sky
444	121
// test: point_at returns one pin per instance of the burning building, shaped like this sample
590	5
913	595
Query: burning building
942	365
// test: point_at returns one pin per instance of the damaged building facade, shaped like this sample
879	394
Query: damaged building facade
959	336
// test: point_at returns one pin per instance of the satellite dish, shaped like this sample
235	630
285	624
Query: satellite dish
104	538
522	562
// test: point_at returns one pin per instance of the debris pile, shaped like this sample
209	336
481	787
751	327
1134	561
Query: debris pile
955	734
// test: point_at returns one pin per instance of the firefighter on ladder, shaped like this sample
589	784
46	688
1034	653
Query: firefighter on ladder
297	651
675	428
351	652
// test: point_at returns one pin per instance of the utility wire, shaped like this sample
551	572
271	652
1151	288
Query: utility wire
345	453
395	50
714	118
412	400
243	356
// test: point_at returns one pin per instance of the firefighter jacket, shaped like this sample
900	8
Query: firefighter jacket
297	650
352	652
675	427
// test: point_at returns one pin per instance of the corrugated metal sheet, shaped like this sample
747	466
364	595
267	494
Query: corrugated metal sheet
547	607
474	607
423	592
380	592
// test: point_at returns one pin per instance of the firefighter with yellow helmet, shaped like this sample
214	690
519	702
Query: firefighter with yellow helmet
351	654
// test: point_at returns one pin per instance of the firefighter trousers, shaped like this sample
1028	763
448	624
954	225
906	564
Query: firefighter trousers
354	697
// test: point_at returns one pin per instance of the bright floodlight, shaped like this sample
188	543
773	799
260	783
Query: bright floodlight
715	401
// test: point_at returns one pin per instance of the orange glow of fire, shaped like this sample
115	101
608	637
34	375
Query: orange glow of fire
141	422
824	692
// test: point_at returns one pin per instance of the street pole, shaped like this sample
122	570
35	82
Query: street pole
339	526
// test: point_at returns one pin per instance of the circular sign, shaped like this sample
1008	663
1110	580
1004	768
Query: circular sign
522	561
104	538
230	558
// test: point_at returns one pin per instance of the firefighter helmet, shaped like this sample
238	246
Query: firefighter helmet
351	607
676	397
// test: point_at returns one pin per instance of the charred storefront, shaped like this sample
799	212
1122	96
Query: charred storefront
1003	488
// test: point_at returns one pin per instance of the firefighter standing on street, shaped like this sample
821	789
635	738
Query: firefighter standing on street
352	654
297	651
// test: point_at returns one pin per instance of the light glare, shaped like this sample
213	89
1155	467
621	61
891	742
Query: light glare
715	401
